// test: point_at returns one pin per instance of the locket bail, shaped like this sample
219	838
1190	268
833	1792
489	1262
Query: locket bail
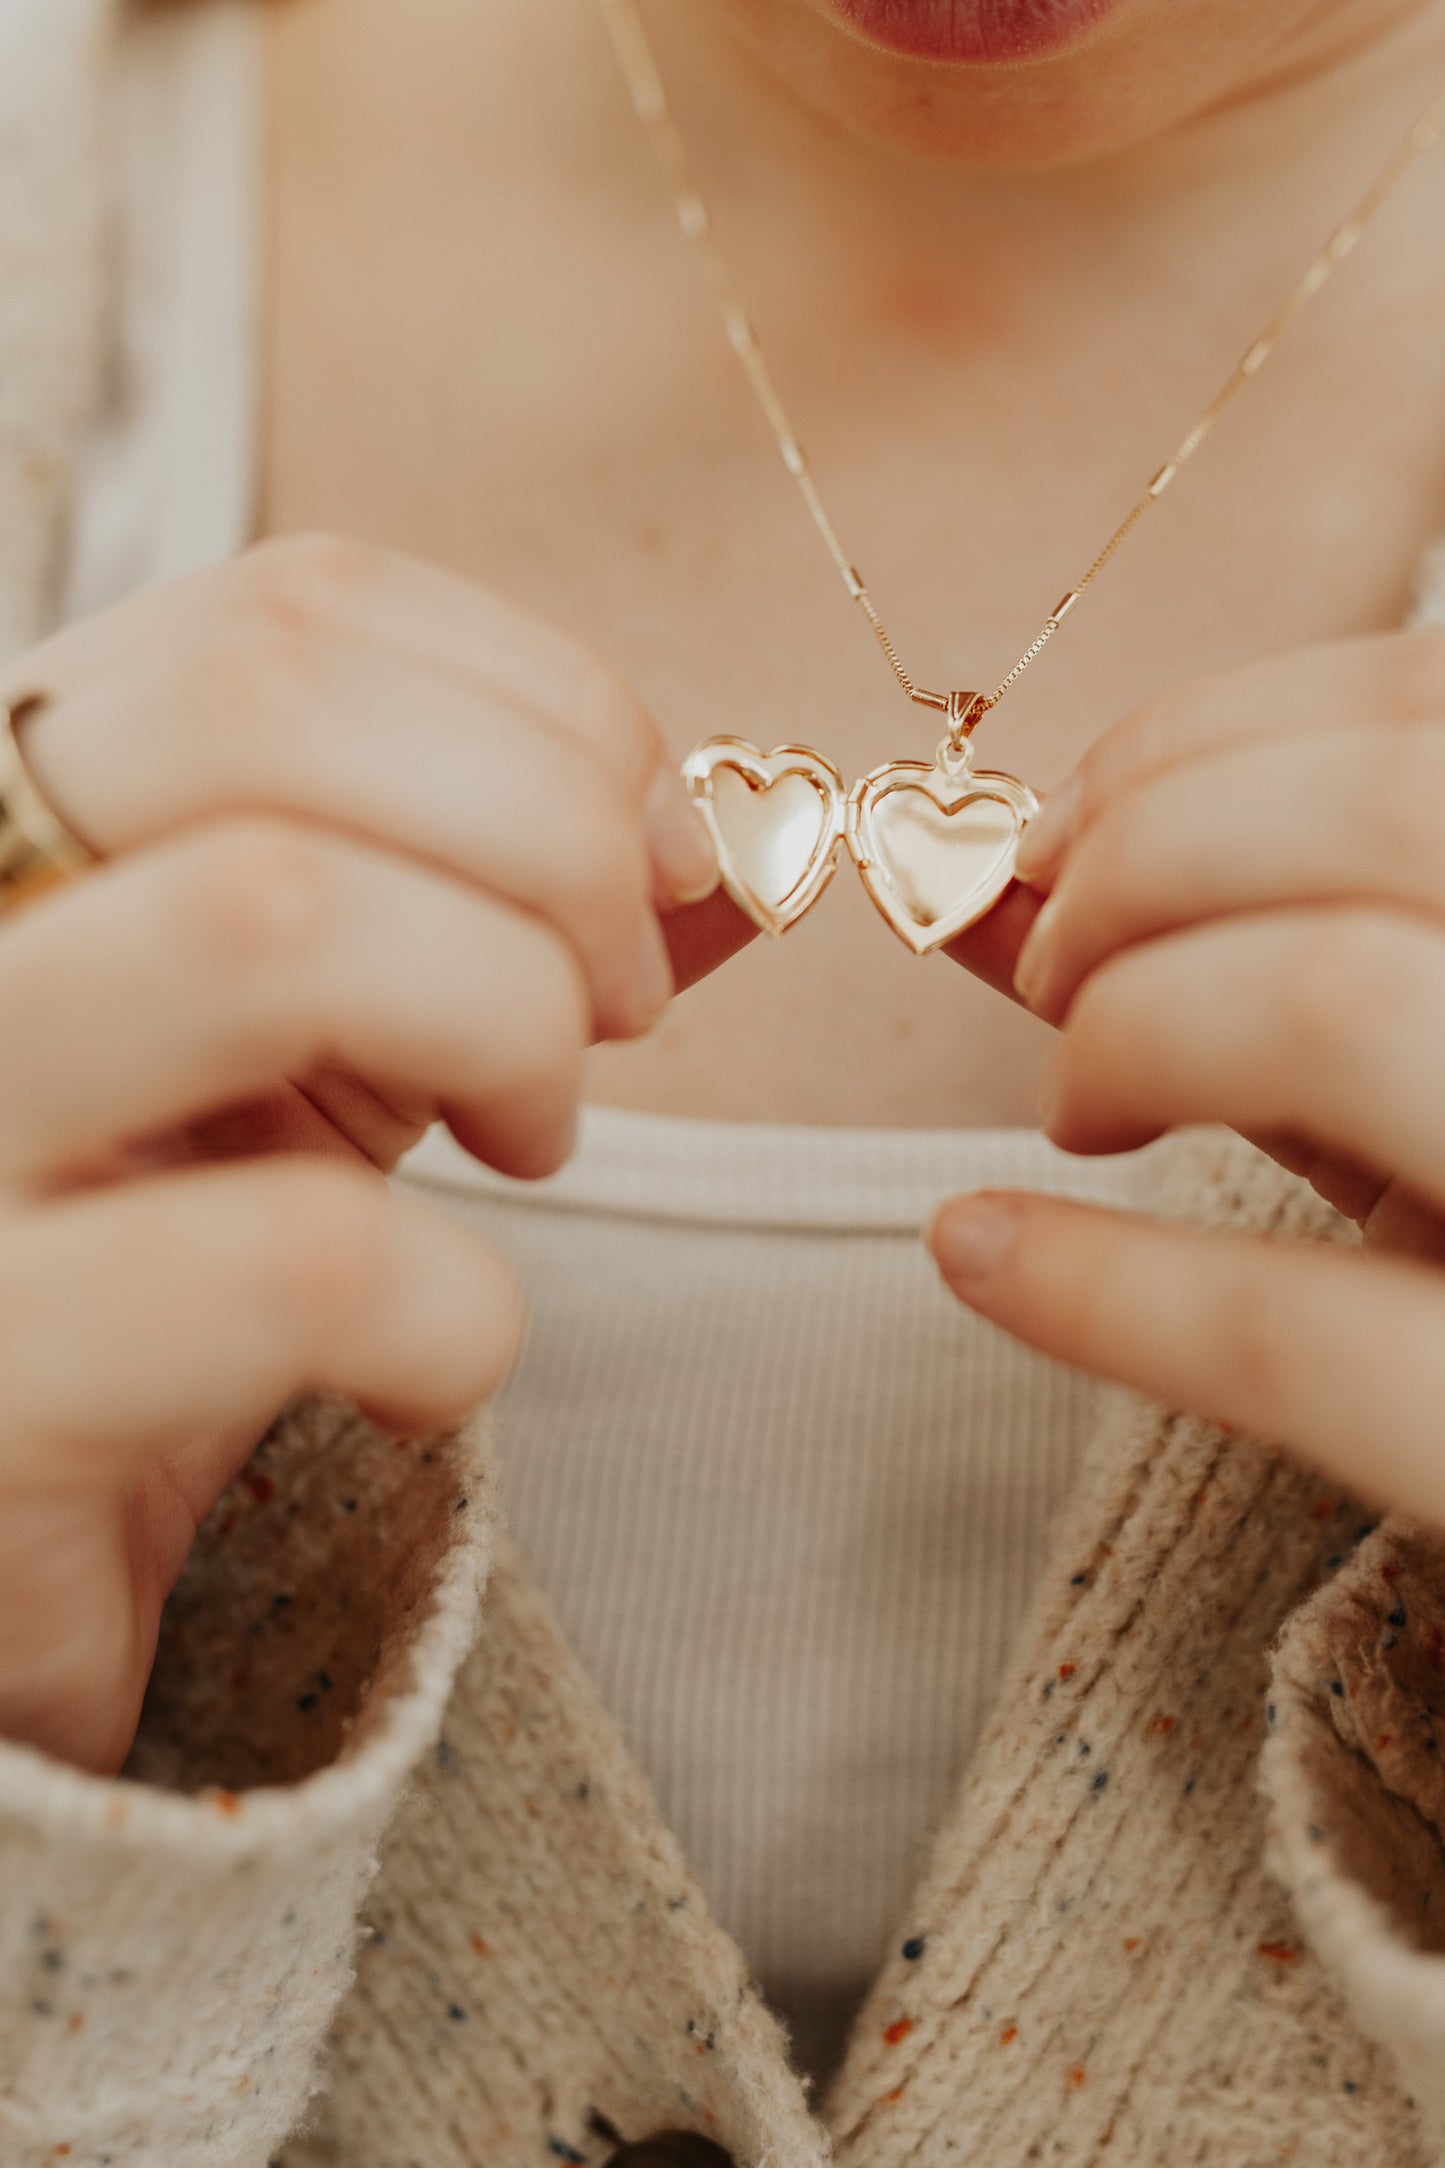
965	711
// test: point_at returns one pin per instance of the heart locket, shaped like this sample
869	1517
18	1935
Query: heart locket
935	844
776	821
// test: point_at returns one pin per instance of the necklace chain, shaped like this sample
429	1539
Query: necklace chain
964	710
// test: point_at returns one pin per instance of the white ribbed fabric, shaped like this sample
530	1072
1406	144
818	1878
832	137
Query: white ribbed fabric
788	1502
766	1472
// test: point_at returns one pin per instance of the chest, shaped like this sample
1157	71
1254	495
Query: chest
487	344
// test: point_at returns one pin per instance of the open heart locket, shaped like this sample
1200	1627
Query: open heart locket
934	843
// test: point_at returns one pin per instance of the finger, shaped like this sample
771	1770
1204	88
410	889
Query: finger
478	791
205	1300
508	658
1377	678
1313	1347
1389	1218
1349	813
204	972
1326	1024
704	935
378	599
495	647
298	681
990	948
442	621
1353	1191
1398	1225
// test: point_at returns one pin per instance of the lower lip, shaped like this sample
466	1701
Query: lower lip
974	30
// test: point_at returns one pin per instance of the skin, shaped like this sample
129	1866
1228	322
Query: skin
322	923
1293	987
984	368
1147	68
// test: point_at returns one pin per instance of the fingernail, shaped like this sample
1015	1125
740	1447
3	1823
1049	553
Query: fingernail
677	835
971	1239
1031	965
1049	834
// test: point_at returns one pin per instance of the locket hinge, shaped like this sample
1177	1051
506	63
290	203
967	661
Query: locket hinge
852	817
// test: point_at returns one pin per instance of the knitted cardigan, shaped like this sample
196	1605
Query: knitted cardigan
381	1888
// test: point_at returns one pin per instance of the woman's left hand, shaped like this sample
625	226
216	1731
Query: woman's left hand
1246	924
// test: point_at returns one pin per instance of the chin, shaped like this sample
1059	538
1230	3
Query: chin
995	86
981	33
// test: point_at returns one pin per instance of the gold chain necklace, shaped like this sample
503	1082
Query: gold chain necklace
935	844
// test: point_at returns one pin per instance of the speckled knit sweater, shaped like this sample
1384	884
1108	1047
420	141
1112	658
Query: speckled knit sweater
380	1887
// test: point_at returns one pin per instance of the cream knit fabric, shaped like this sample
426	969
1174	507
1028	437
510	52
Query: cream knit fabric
1097	1968
174	1946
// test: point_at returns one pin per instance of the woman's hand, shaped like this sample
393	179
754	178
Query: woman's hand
380	850
1246	924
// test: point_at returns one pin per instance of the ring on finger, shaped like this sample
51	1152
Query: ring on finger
37	848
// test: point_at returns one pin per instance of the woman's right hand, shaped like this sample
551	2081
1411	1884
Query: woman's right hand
379	850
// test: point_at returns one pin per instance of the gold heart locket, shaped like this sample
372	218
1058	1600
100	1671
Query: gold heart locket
776	821
934	843
935	846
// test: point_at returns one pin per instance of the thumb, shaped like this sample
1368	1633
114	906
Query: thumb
990	948
703	935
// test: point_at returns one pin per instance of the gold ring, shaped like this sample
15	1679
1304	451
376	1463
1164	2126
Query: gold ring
36	848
